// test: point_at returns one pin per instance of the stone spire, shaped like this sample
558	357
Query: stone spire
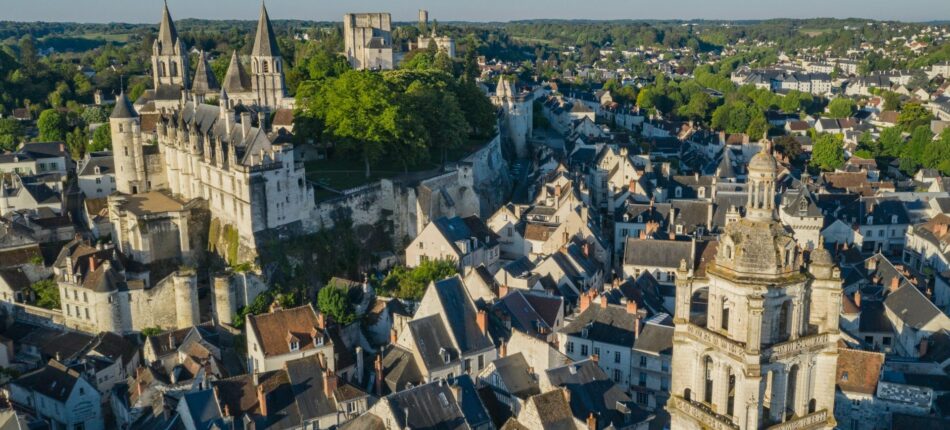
265	44
123	108
236	79
167	35
205	82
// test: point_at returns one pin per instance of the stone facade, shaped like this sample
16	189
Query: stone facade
762	352
517	119
368	41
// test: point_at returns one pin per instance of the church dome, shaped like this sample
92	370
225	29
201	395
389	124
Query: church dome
763	161
751	248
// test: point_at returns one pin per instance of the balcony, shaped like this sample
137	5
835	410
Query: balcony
701	413
816	420
715	340
795	347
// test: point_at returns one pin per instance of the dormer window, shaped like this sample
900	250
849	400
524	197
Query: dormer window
293	343
702	192
446	357
870	220
678	192
893	219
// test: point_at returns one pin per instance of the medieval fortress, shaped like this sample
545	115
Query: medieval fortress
208	173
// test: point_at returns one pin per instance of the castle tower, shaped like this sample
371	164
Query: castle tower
517	116
267	70
186	299
763	350
205	83
169	57
223	302
124	125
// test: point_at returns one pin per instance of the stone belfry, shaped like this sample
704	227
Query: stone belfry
761	352
169	57
267	69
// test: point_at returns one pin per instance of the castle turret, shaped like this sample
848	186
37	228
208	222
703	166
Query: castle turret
223	300
127	148
267	70
169	57
186	298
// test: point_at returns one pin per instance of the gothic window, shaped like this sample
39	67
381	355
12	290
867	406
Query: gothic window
812	404
792	389
264	68
161	69
174	69
254	66
708	380
687	394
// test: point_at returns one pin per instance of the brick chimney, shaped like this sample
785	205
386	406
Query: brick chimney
591	422
502	290
586	249
393	335
329	383
482	320
632	307
557	191
895	283
92	263
636	326
502	349
603	302
262	400
595	358
857	299
379	374
632	187
585	302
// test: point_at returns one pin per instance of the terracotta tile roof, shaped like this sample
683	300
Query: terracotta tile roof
284	117
272	329
858	371
538	232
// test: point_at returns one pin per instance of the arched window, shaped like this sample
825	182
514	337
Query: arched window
174	69
264	68
725	314
708	380
731	403
688	394
728	251
812	405
792	389
162	71
254	66
783	324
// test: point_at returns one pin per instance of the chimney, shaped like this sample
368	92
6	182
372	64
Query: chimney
245	124
321	321
557	191
379	374
502	349
482	320
92	263
359	364
591	422
393	335
632	187
632	307
636	326
857	298
586	249
585	302
595	358
895	283
262	400
227	411
329	383
922	347
502	290
603	302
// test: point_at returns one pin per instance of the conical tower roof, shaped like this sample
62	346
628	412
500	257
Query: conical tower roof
167	34
265	44
236	80
123	108
205	82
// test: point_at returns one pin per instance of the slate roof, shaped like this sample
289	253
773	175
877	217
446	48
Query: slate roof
911	306
460	313
104	162
592	391
611	325
432	340
306	379
54	380
236	80
205	82
655	338
514	373
400	369
123	108
15	278
430	406
657	253
554	410
167	34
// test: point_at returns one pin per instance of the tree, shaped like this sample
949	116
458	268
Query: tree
94	115
840	107
76	141
151	331
440	120
411	284
10	134
360	114
333	302
789	146
758	126
52	126
101	139
892	101
478	110
47	294
828	152
890	143
914	115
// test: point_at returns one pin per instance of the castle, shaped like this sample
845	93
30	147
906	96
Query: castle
368	41
220	155
517	116
764	349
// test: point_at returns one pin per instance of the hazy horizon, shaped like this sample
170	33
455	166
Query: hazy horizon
148	12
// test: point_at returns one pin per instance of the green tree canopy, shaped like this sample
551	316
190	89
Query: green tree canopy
333	302
52	126
914	115
828	152
101	139
411	284
10	134
47	294
841	107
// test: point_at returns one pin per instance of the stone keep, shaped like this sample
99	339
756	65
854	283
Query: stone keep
763	352
517	120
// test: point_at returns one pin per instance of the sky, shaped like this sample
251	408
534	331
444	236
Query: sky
147	11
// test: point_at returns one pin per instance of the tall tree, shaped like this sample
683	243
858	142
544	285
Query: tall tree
914	115
828	152
841	107
52	126
10	134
